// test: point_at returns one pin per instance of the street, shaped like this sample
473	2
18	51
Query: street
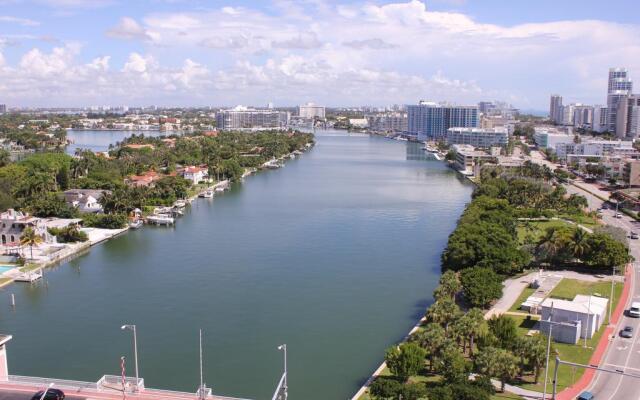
621	354
15	395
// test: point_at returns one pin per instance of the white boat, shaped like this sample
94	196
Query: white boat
207	194
135	224
180	204
160	219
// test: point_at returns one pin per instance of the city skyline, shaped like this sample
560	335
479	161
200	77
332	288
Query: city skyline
81	53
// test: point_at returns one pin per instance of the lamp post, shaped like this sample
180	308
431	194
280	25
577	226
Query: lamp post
135	349
283	347
546	368
44	394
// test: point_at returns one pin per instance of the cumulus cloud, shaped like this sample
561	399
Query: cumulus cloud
375	43
349	53
19	21
128	28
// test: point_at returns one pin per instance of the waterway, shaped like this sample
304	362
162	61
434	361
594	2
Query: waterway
336	254
100	140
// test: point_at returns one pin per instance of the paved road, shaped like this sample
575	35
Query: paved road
622	354
12	395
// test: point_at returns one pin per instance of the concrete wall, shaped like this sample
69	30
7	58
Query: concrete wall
562	333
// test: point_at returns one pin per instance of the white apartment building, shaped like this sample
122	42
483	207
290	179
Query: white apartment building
549	137
311	111
244	118
388	122
595	148
478	137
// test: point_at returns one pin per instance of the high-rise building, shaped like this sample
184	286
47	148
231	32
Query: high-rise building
3	108
428	120
599	118
555	109
250	118
628	107
486	106
388	122
311	111
583	116
567	114
619	86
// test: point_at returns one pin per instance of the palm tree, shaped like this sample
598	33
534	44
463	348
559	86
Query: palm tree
443	312
30	238
449	285
498	363
579	242
431	339
477	326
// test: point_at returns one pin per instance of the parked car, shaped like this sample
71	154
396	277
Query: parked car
52	394
618	215
586	396
634	310
633	235
627	332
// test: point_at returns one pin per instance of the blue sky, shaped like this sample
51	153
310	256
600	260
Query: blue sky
179	52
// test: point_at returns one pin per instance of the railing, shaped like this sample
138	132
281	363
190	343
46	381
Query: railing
278	395
65	383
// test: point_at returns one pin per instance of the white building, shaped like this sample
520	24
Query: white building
311	111
478	137
195	174
388	122
549	138
242	118
589	310
595	148
599	118
359	122
85	200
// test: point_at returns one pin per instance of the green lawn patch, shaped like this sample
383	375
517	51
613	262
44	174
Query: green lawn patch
503	396
526	292
567	376
536	229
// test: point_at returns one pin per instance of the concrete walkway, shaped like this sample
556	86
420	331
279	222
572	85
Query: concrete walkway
527	394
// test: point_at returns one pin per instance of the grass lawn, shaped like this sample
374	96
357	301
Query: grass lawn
567	289
30	267
585	220
536	229
526	292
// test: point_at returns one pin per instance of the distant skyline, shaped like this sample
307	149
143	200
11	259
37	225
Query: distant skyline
335	53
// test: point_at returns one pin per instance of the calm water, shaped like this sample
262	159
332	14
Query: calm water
336	255
100	140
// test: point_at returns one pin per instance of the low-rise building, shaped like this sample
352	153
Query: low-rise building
549	138
244	118
145	180
467	158
478	137
596	148
85	200
13	223
631	173
195	174
311	111
586	313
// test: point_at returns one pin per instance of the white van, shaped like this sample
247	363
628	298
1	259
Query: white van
634	310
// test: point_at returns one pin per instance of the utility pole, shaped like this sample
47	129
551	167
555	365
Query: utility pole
546	368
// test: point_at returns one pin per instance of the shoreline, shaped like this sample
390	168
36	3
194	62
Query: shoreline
73	250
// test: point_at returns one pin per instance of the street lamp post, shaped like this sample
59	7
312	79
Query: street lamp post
546	368
44	394
283	347
135	349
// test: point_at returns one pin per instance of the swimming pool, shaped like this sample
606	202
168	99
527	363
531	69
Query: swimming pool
5	268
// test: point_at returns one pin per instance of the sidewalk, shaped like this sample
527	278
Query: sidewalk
583	383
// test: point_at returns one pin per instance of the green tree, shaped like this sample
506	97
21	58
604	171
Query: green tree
605	252
504	329
476	326
5	157
384	388
497	363
481	286
412	391
30	238
405	360
431	339
448	287
453	366
443	312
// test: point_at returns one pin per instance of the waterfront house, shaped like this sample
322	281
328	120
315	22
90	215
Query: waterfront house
196	174
13	223
145	180
85	200
135	146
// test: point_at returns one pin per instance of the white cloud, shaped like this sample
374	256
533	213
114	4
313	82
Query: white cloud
344	54
19	21
128	28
